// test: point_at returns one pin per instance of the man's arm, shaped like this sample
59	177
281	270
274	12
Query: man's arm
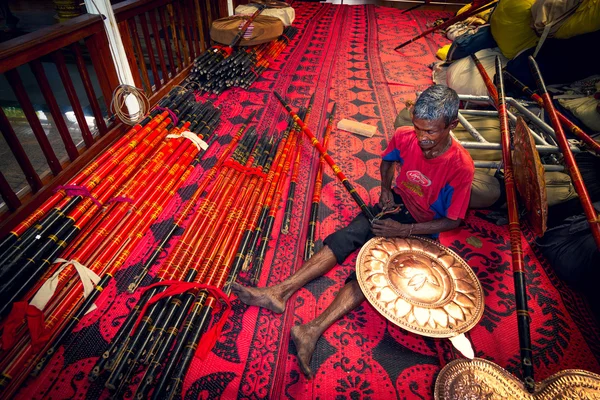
386	170
391	228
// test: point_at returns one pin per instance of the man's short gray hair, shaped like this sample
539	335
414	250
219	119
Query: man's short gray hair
437	101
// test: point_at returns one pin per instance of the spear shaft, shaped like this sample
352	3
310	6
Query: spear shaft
563	143
566	122
338	172
309	248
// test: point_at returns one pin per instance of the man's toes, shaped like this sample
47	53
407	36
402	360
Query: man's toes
305	368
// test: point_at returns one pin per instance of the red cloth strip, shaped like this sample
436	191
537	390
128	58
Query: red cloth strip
73	190
23	311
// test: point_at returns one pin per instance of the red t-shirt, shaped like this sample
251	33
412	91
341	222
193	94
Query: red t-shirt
431	188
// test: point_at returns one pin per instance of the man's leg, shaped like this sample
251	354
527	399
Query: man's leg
305	336
337	247
275	297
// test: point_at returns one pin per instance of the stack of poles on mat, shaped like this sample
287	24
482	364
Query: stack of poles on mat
216	71
97	220
161	335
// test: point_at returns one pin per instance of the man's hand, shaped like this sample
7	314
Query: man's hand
390	228
386	199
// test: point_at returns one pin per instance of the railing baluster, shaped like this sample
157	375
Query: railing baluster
89	89
141	58
103	64
198	12
194	28
179	20
15	146
144	24
17	85
161	14
161	57
171	14
9	196
189	37
126	38
61	66
61	126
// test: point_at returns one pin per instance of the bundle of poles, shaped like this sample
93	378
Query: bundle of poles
238	200
63	255
497	94
216	70
96	221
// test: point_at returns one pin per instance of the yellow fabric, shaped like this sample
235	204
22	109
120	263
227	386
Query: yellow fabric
442	53
586	19
484	15
511	26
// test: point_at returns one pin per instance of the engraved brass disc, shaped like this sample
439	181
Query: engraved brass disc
529	178
420	285
464	379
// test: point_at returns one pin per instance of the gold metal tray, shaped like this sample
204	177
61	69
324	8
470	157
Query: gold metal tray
420	285
482	379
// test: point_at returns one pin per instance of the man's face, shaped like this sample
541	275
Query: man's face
430	133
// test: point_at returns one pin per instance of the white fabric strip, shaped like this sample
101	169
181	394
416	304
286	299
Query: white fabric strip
199	143
88	277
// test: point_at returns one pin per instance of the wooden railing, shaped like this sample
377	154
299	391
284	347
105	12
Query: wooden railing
65	47
163	37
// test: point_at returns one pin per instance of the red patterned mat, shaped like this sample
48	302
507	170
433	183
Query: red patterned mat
342	54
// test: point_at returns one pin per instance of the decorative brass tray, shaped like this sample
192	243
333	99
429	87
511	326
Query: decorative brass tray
420	285
464	379
529	177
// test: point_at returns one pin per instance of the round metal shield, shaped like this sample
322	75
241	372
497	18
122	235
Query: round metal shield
482	379
420	285
529	178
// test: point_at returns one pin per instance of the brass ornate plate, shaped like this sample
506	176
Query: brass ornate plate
482	379
529	178
420	285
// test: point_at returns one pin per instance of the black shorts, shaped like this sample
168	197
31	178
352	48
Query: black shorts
345	241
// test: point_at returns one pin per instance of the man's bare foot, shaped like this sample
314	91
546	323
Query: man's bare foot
305	342
262	297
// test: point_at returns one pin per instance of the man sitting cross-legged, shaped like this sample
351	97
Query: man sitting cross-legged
432	188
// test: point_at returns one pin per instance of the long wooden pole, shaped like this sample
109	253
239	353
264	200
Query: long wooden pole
566	122
518	265
337	170
451	21
584	197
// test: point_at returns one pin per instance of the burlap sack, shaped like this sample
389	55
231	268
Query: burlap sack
263	29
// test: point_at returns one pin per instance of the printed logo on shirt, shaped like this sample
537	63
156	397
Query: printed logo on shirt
413	187
418	177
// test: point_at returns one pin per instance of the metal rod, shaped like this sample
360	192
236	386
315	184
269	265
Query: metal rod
480	113
498	146
533	118
498	165
463	121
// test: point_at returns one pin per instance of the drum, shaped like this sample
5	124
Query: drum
263	29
